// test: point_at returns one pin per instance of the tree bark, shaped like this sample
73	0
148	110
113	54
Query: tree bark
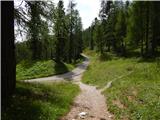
147	28
91	40
8	51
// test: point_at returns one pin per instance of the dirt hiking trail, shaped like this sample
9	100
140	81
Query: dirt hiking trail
90	101
90	104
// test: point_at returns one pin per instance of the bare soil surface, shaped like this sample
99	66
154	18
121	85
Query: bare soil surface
90	101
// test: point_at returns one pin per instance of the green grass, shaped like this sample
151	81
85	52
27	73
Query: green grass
26	70
135	96
101	72
40	101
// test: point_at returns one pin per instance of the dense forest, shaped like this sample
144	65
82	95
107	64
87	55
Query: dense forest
52	32
125	27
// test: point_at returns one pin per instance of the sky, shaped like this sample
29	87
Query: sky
88	10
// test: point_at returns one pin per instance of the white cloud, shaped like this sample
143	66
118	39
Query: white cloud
88	10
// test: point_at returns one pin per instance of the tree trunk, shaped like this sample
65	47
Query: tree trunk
91	42
147	29
8	51
142	49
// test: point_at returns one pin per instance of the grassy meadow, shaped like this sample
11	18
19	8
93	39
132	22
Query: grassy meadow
135	90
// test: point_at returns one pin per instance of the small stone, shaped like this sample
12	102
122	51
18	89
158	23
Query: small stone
82	115
110	116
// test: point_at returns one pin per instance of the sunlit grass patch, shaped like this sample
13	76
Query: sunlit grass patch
101	72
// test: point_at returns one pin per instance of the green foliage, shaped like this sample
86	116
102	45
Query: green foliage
120	32
22	52
29	70
86	37
35	25
60	32
33	20
50	31
74	26
40	102
126	25
141	28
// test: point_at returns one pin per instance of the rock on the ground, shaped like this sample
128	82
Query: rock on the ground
82	115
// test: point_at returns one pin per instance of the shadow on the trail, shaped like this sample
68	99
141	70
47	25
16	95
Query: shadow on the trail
71	75
81	67
77	71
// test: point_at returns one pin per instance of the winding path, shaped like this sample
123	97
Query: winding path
73	75
90	100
